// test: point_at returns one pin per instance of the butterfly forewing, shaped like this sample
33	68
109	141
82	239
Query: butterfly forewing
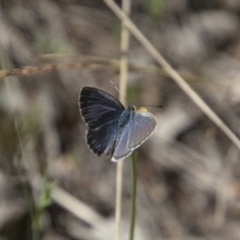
98	107
141	127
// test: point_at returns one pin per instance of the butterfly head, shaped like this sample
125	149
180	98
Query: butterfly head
131	107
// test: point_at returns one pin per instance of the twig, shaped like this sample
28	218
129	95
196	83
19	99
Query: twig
28	70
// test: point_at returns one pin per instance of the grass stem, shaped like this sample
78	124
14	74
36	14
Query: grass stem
134	195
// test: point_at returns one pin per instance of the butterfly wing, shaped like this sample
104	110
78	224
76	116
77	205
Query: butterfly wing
138	130
141	126
98	107
102	140
122	150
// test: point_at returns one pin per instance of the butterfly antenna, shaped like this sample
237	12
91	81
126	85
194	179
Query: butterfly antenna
115	86
117	90
158	106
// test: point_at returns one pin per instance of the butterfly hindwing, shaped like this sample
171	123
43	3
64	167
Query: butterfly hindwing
141	127
138	129
98	107
122	150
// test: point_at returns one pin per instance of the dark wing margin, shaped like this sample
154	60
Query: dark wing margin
141	126
98	107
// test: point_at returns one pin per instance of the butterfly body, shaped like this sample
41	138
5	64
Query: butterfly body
125	117
113	129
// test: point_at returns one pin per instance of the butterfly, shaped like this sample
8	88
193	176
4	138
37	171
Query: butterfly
113	129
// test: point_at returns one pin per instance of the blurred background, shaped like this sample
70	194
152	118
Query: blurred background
188	171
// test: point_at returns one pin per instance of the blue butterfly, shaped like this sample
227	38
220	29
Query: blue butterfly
112	128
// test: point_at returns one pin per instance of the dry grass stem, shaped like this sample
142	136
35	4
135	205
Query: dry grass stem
92	62
126	5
